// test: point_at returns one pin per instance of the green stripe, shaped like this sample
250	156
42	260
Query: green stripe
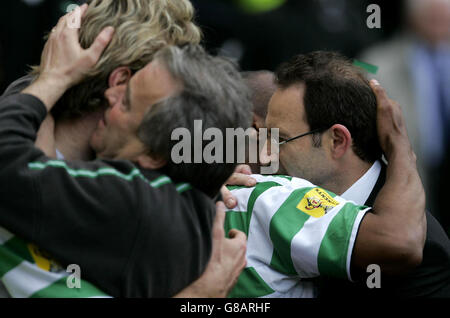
59	289
20	248
235	187
366	66
285	224
332	257
259	189
250	284
8	261
183	187
235	220
84	173
241	220
98	173
12	254
158	182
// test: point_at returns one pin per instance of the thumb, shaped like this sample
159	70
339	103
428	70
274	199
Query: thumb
100	43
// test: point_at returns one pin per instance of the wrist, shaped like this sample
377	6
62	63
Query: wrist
54	82
397	147
403	157
48	88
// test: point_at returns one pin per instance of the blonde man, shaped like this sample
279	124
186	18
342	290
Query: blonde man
142	27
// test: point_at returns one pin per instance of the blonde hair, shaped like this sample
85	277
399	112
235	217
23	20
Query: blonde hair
142	27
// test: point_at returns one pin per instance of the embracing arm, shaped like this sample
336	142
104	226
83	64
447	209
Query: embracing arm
54	203
393	235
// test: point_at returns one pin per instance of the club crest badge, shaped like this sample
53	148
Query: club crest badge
42	260
316	203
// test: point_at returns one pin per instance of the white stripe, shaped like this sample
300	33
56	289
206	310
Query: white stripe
306	243
242	195
261	178
305	289
5	235
26	279
283	285
301	183
259	245
358	220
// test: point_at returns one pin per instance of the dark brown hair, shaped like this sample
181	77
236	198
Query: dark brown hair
336	93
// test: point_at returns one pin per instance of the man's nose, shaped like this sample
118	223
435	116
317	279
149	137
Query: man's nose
269	157
266	155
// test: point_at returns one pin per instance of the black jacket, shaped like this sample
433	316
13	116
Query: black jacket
133	232
430	279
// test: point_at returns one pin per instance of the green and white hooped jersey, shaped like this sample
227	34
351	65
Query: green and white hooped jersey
295	232
26	272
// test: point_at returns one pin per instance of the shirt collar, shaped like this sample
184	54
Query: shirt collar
360	191
59	155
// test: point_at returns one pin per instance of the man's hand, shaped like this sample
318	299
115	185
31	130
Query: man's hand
390	124
393	235
241	177
64	59
64	62
226	263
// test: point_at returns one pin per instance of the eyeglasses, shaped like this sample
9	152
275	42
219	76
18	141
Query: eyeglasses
315	131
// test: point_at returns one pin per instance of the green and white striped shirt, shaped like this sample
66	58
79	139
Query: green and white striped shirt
26	273
295	231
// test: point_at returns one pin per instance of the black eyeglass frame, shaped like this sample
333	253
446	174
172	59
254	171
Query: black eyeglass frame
314	131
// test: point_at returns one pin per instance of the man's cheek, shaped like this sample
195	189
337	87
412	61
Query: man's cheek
285	160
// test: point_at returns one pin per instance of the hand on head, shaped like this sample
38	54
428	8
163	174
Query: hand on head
63	59
391	128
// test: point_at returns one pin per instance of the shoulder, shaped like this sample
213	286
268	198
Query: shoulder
18	85
175	202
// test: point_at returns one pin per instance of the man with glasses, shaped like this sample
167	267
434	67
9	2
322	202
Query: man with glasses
326	113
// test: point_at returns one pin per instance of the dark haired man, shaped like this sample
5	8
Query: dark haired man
126	222
262	86
326	113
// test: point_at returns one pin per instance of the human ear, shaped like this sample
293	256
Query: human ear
120	76
341	140
151	162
